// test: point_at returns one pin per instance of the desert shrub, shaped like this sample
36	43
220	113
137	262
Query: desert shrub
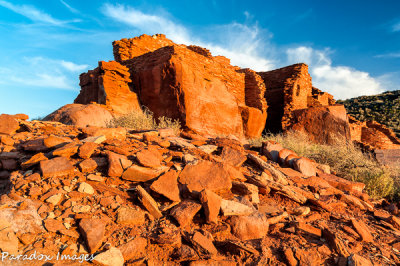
144	120
345	158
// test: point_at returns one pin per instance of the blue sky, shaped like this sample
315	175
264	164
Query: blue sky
352	47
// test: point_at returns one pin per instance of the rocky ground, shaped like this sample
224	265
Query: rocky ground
122	197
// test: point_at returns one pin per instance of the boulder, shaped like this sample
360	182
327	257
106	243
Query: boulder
325	124
305	166
81	115
249	227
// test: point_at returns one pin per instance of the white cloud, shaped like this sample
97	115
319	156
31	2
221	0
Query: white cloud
34	14
72	66
42	72
240	43
341	81
148	23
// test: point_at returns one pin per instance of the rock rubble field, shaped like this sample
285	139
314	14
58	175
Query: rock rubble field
157	197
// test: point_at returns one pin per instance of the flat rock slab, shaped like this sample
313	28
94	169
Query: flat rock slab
134	249
130	216
149	158
204	243
93	232
233	156
87	149
59	166
148	202
234	208
111	257
216	177
8	124
167	185
185	211
138	173
362	230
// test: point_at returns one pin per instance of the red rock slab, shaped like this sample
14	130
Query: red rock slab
6	140
362	229
130	216
35	159
114	164
88	165
233	156
149	158
53	225
86	150
8	124
110	133
167	185
93	232
308	229
36	145
59	166
55	141
67	150
148	202
204	243
185	211
216	177
212	204
138	173
133	249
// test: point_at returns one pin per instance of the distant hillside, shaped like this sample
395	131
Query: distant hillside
383	108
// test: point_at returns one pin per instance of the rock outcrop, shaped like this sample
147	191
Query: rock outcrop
205	93
108	85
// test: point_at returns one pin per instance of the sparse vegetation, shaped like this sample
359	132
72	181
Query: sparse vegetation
144	120
346	159
383	108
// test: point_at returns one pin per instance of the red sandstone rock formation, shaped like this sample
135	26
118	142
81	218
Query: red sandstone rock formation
108	84
296	104
206	93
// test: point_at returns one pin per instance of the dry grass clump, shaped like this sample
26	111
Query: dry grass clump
346	159
144	120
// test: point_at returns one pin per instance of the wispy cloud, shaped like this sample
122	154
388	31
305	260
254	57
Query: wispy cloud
396	27
42	72
70	8
388	55
240	42
341	81
35	14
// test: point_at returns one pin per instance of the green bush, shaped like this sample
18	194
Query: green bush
346	159
144	120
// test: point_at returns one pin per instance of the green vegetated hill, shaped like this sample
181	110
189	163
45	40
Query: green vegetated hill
383	108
